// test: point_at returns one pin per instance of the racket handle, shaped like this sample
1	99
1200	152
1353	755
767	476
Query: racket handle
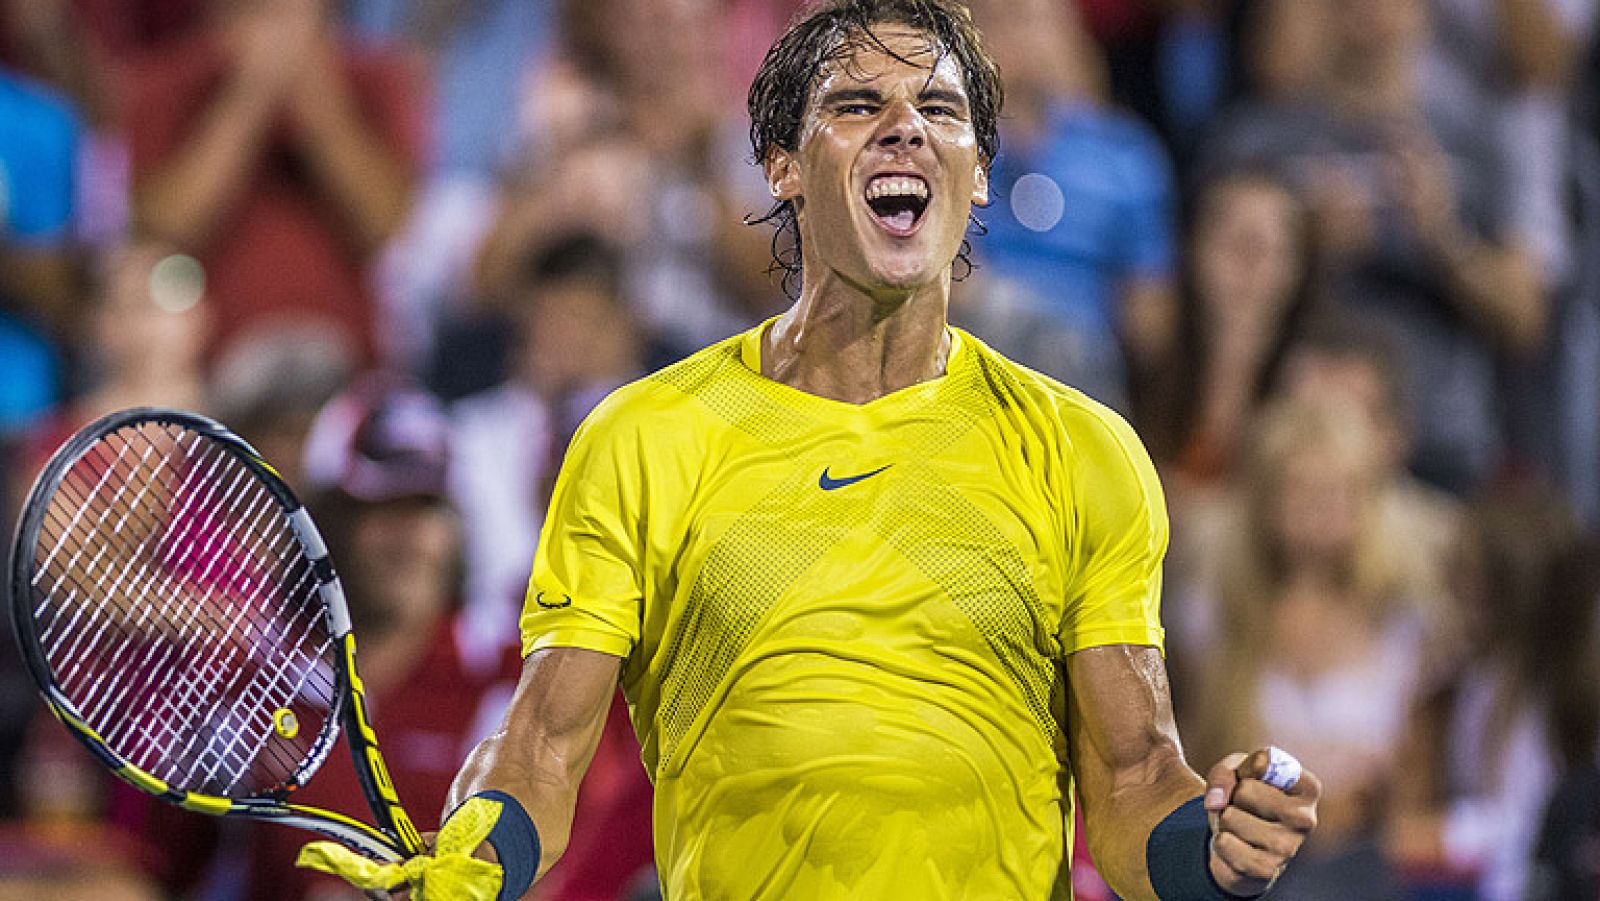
1272	765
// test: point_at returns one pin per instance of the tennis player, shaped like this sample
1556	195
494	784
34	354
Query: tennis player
880	599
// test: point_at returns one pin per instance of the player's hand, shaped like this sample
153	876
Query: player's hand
1256	825
451	872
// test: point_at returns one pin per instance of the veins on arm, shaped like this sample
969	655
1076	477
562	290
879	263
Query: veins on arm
545	742
1126	757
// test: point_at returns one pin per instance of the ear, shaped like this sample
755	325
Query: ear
980	185
783	174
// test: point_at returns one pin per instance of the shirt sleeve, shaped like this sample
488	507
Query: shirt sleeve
587	585
1119	536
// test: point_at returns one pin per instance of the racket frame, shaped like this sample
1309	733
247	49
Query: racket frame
395	837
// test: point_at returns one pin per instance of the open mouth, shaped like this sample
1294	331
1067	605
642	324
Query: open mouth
898	202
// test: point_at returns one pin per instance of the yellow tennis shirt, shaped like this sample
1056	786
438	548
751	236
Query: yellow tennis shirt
843	626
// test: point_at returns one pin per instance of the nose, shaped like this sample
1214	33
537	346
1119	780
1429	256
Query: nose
902	126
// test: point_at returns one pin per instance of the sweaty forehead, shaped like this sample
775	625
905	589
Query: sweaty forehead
888	54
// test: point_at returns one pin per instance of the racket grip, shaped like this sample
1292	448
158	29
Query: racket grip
1272	765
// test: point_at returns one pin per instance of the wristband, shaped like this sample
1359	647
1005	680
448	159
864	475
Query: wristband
516	843
1178	856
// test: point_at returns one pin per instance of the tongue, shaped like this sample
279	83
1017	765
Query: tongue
901	220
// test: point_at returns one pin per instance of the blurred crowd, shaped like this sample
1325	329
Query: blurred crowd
1337	260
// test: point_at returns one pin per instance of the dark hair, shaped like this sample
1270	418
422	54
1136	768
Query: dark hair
781	91
574	256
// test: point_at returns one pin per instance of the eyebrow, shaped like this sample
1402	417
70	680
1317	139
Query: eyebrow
852	95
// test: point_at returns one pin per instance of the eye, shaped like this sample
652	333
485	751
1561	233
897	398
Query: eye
939	111
857	109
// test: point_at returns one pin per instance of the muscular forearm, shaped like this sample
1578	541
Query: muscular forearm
545	743
186	198
1119	823
1126	758
547	790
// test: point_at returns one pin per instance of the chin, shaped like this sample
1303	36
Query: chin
909	268
904	278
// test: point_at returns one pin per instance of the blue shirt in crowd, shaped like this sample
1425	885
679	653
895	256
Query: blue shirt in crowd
39	135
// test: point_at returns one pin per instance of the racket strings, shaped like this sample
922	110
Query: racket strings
179	615
194	699
109	542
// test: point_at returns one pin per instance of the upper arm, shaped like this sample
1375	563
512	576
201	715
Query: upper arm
1126	756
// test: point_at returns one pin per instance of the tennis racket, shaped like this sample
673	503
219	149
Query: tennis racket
179	612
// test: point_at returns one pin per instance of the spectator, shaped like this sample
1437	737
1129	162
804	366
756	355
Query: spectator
1411	227
479	55
1485	742
272	384
694	271
66	43
146	331
1306	569
592	188
277	158
1079	263
1342	360
1249	287
1506	67
39	136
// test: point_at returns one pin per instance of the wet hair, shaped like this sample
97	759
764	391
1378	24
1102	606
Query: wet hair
833	33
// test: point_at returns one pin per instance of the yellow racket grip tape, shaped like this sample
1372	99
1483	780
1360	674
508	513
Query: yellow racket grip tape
450	874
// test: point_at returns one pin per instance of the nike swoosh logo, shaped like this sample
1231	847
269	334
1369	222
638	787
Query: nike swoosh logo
828	483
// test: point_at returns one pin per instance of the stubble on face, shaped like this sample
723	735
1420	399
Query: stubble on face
890	116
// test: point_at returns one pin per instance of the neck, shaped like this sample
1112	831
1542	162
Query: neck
842	343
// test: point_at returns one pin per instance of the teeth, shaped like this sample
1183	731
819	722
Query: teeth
897	186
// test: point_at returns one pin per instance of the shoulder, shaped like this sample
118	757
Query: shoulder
701	371
669	401
1069	412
